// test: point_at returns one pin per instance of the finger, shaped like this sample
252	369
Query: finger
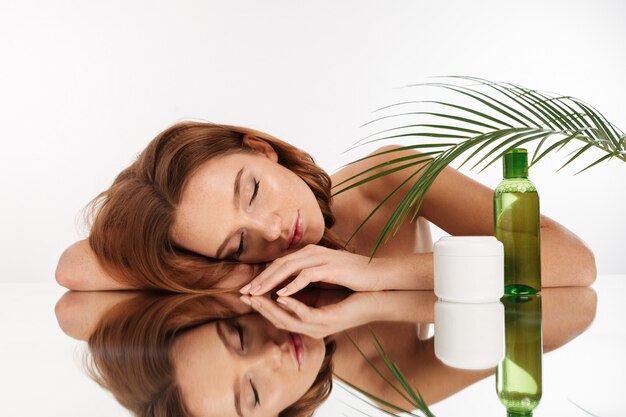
303	311
275	314
302	280
270	278
281	264
278	264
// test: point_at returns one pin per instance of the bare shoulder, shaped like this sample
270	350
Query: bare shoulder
454	202
379	163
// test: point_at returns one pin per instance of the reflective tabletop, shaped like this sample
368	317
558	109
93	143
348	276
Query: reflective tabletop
45	357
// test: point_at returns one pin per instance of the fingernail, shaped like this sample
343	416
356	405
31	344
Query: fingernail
281	301
255	289
245	300
281	291
245	289
255	303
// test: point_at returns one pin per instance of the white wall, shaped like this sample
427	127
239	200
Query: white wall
85	85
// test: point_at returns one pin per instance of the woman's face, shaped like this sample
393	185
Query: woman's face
244	367
245	206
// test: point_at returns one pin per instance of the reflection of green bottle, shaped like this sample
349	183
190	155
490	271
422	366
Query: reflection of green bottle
518	377
516	215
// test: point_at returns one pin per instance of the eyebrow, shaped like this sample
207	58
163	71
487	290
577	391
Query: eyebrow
236	193
237	395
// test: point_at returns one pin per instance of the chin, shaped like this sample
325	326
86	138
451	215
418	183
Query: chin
317	350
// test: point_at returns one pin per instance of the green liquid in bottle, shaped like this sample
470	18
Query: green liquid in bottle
519	377
517	225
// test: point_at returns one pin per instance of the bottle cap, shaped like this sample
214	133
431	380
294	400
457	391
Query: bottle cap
469	269
515	163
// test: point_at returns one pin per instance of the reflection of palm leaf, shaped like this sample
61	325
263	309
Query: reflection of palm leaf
406	391
498	118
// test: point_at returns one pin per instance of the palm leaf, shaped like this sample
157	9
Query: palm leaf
409	393
375	398
489	119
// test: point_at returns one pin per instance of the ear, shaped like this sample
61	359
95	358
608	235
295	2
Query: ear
261	146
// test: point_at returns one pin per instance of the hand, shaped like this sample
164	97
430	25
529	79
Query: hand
317	264
288	313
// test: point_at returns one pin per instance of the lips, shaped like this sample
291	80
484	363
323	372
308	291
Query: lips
296	235
298	348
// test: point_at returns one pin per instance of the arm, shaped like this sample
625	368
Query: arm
566	314
79	269
464	207
78	313
565	261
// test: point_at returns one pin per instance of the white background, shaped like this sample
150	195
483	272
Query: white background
84	85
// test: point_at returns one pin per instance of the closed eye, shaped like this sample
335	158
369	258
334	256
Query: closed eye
257	400
240	333
240	248
256	190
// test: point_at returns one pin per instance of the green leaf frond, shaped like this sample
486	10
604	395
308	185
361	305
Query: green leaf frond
399	383
484	119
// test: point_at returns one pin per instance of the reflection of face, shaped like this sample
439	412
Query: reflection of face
243	364
248	207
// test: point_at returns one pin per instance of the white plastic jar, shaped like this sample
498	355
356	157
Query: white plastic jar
469	269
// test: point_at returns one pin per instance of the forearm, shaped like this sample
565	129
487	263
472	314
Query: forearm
403	306
411	272
565	259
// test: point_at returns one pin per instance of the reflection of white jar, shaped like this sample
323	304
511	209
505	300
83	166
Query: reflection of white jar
469	269
469	336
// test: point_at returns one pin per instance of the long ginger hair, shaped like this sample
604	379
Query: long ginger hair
132	220
130	353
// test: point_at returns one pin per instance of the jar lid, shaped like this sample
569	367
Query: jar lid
468	269
468	246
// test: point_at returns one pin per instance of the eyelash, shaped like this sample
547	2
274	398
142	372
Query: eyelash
256	393
256	189
240	333
254	194
240	248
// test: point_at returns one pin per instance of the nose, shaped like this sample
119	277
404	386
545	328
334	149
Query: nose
272	354
268	226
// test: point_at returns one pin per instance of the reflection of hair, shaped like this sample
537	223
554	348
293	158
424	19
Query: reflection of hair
130	354
132	220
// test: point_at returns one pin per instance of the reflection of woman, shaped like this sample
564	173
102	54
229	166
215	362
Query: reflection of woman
156	354
195	356
203	199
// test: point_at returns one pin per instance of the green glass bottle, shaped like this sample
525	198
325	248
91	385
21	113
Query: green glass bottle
519	376
517	223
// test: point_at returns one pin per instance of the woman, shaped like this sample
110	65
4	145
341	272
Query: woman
204	200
